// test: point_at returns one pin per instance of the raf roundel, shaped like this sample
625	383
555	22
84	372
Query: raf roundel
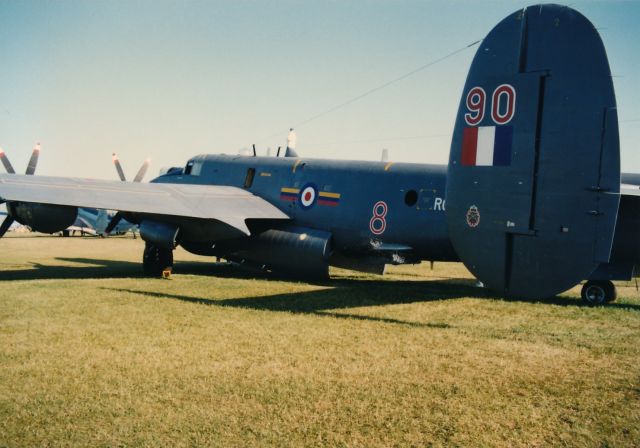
308	195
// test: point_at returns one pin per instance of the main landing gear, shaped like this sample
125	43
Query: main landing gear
156	260
598	292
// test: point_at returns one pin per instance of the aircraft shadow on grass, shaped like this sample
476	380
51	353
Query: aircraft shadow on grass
94	268
355	293
341	293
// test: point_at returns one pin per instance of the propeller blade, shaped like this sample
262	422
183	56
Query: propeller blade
5	225
113	223
142	171
33	161
6	163
116	162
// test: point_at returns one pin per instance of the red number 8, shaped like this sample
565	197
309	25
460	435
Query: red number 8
378	223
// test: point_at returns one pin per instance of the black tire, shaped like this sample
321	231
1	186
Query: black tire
598	292
155	260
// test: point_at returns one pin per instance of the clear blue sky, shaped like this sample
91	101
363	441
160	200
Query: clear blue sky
173	79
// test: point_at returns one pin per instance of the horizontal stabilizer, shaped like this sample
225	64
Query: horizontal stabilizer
630	190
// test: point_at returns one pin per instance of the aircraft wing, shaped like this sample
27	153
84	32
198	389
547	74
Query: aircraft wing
230	205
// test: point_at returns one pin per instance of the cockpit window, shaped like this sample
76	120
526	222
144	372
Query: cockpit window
197	168
194	167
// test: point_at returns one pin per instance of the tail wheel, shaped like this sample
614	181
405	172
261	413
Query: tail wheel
598	292
155	260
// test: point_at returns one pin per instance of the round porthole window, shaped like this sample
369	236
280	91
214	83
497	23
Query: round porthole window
411	198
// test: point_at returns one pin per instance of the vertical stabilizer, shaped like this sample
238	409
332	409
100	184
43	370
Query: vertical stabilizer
534	168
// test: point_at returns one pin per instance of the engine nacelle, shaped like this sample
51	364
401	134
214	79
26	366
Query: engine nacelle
45	218
159	234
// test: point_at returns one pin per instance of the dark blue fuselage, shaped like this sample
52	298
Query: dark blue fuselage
362	204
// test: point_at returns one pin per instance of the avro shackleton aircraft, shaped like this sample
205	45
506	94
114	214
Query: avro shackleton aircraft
535	201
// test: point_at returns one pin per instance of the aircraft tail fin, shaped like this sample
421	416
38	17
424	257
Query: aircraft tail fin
534	170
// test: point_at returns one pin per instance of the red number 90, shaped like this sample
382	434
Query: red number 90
503	105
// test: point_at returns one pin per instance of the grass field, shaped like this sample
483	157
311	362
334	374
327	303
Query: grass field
92	354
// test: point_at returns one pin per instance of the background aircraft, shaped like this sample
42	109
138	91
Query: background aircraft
534	202
95	221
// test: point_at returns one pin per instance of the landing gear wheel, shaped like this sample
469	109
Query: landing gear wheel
596	292
155	260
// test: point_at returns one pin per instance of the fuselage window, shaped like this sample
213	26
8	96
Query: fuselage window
248	181
189	167
411	198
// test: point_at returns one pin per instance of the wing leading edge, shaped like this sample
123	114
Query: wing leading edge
230	205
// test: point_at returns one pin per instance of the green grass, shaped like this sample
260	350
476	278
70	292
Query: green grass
92	354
